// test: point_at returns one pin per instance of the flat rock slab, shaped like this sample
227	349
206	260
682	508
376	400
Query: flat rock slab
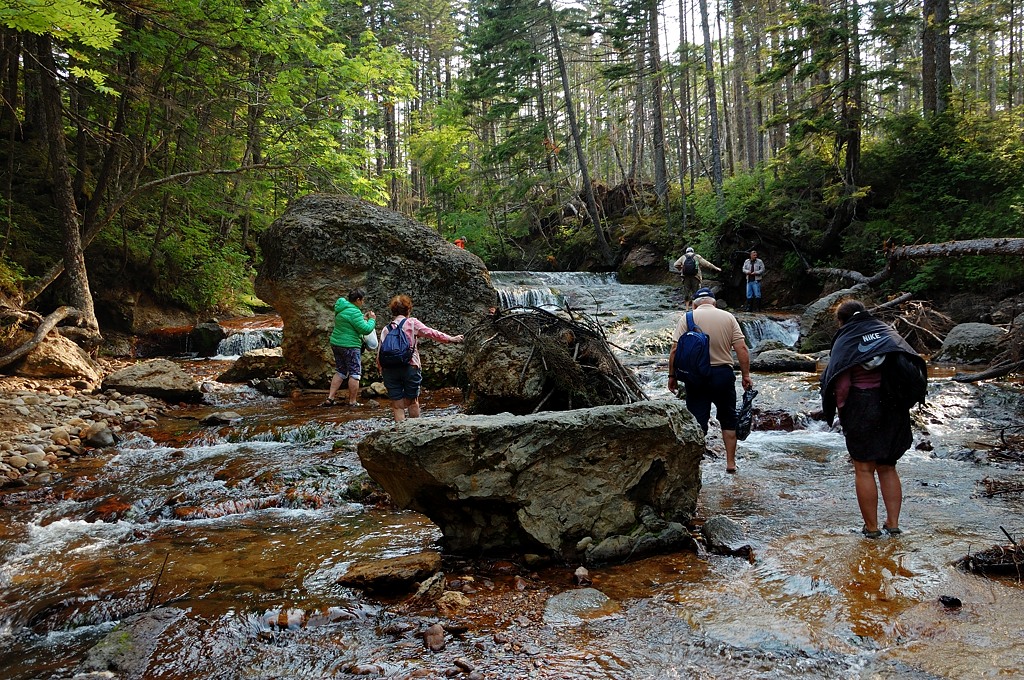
542	483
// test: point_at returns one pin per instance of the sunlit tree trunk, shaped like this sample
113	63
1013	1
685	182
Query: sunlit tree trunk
79	294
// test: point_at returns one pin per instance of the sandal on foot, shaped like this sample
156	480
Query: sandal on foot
892	531
328	402
355	404
731	471
871	534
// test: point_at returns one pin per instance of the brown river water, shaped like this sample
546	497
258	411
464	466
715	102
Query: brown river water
243	531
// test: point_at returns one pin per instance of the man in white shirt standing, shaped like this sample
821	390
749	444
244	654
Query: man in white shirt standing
753	269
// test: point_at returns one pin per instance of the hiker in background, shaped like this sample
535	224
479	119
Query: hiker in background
403	381
460	242
725	337
350	325
689	268
753	269
876	426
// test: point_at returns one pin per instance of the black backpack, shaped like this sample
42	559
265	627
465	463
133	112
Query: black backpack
395	350
689	267
692	360
904	380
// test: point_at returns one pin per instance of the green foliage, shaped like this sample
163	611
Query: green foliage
83	22
12	278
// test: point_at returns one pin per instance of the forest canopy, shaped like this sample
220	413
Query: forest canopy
147	145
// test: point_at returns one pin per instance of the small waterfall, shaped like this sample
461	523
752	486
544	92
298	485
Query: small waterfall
522	296
548	289
762	328
237	344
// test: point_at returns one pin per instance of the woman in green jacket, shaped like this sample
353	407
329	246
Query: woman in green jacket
350	325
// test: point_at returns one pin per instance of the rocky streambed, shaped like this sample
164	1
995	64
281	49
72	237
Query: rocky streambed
43	423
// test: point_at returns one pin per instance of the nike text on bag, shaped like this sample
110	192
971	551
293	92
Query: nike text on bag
692	361
904	380
395	349
689	267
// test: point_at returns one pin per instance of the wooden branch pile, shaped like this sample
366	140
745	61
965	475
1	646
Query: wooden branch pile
567	350
921	325
999	559
1008	449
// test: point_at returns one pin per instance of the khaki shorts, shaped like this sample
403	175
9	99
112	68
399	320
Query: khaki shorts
691	284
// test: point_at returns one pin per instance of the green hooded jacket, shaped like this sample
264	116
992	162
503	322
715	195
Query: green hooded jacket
349	324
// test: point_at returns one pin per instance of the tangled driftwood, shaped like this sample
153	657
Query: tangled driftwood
999	559
528	359
1011	360
10	318
918	322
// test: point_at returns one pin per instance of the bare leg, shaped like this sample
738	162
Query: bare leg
414	408
867	493
335	384
729	438
892	494
398	410
353	390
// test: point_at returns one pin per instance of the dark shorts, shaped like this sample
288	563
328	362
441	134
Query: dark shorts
348	361
720	390
403	382
875	432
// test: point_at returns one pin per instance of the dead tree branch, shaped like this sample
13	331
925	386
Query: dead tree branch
47	325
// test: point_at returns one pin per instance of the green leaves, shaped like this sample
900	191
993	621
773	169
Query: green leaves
80	21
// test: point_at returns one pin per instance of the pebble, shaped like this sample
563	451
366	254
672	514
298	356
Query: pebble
53	420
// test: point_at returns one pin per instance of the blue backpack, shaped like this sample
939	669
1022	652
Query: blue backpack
692	360
395	350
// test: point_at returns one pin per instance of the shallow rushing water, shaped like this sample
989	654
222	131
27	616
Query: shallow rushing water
244	529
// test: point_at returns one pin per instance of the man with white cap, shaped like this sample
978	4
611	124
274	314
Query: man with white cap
689	268
724	338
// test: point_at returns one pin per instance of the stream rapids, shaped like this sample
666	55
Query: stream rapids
239	533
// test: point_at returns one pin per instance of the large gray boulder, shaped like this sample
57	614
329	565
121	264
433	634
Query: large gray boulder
782	361
259	364
325	245
157	378
552	483
971	343
818	322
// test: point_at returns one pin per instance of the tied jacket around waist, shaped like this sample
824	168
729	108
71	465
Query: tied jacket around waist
861	338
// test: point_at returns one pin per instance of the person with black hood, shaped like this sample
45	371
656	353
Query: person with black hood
856	383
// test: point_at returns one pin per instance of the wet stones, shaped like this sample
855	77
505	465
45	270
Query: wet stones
393	576
783	361
574	607
159	378
44	426
725	536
